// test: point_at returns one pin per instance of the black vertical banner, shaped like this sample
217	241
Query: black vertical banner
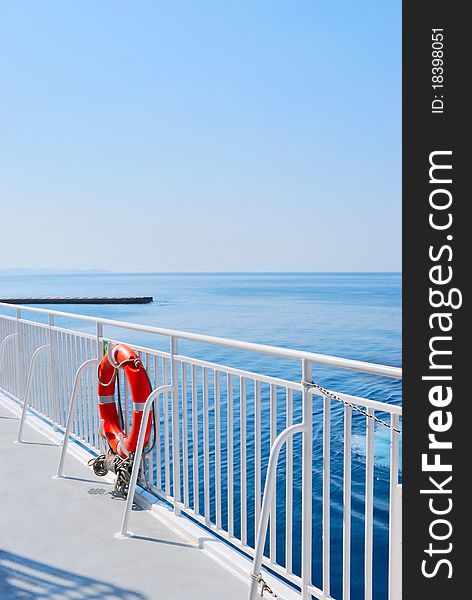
437	259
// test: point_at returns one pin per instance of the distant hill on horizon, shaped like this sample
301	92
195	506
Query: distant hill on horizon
25	271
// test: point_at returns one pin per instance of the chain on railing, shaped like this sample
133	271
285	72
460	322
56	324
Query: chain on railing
333	396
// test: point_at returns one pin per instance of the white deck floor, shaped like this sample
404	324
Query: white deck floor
56	536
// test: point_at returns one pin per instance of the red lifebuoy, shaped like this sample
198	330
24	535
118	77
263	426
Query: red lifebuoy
122	356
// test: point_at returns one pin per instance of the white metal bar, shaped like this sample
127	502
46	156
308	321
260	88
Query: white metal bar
206	446
75	363
369	506
273	505
87	417
18	355
257	452
394	525
166	431
65	441
53	388
326	568
289	485
69	376
266	502
36	338
307	483
185	433
196	475
150	450
96	411
137	460
216	393
230	451
62	367
36	353
29	342
175	424
157	432
347	503
397	526
90	391
243	469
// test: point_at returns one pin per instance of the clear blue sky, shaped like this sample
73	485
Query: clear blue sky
201	136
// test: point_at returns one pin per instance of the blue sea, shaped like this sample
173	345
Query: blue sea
352	315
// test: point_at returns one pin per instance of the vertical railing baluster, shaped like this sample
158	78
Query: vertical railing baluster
230	442
326	495
394	527
217	448
206	446
80	403
126	403
307	480
289	485
157	423
369	506
70	371
257	453
64	395
166	430
19	358
195	464
39	371
347	503
273	506
185	432
52	371
94	383
67	371
176	463
60	389
88	396
29	343
243	473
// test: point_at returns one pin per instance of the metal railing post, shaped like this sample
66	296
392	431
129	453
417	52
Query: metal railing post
175	422
52	383
99	334
394	525
269	488
307	474
124	533
27	391
19	363
65	441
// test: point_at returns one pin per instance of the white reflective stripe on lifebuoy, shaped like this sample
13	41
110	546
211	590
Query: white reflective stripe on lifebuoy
111	355
106	399
138	406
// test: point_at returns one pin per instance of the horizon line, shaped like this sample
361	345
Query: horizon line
74	271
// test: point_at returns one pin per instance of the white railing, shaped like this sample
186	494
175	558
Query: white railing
219	426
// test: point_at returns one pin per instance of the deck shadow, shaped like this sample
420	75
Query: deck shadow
40	444
21	578
145	538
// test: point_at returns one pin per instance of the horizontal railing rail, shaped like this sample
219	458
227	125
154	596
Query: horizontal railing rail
333	361
332	505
